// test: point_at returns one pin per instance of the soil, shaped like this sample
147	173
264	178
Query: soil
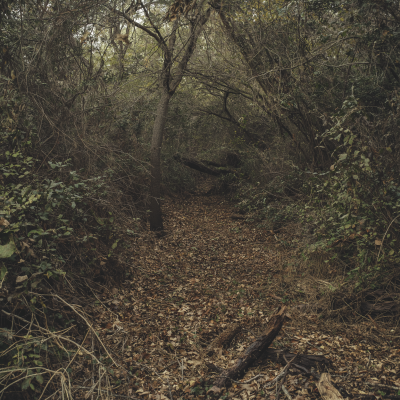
213	270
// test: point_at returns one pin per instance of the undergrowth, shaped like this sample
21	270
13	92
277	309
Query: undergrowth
54	232
350	211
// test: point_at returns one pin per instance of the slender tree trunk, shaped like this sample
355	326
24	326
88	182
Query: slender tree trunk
156	221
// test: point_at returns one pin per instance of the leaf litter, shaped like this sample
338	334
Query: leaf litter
212	274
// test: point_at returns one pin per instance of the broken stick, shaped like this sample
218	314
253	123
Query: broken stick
282	356
224	339
326	389
251	354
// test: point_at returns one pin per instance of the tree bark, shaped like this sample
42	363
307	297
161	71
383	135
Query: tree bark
283	356
251	354
156	221
170	80
326	389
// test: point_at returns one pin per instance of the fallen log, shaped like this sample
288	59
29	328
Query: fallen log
224	339
326	389
386	307
200	166
251	354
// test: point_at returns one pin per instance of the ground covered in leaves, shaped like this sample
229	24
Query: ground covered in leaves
213	269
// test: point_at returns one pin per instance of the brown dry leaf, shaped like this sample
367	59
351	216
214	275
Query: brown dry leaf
4	222
209	273
21	278
24	245
195	362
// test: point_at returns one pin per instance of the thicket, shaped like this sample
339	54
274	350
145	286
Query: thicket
327	80
70	192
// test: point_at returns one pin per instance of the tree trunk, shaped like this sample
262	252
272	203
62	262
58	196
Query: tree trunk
156	221
251	354
326	389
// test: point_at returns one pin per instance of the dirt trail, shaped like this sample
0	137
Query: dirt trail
210	271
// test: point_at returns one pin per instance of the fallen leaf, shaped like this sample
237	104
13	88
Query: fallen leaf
21	278
195	362
8	249
4	222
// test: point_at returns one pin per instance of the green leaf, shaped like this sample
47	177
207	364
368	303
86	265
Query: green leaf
3	271
115	244
342	156
39	378
8	249
25	384
99	220
35	283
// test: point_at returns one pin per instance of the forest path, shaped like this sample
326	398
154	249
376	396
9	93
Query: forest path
188	286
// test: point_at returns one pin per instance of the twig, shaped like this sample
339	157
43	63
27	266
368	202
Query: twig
369	360
24	377
276	379
252	379
106	391
285	372
168	366
302	368
383	386
52	334
170	393
73	358
97	383
94	294
182	369
284	390
49	397
248	381
383	238
87	322
235	394
311	372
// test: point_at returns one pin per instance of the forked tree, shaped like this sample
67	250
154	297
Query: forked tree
176	34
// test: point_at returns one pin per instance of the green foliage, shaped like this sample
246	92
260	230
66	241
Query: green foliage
47	212
39	210
344	177
358	200
176	177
